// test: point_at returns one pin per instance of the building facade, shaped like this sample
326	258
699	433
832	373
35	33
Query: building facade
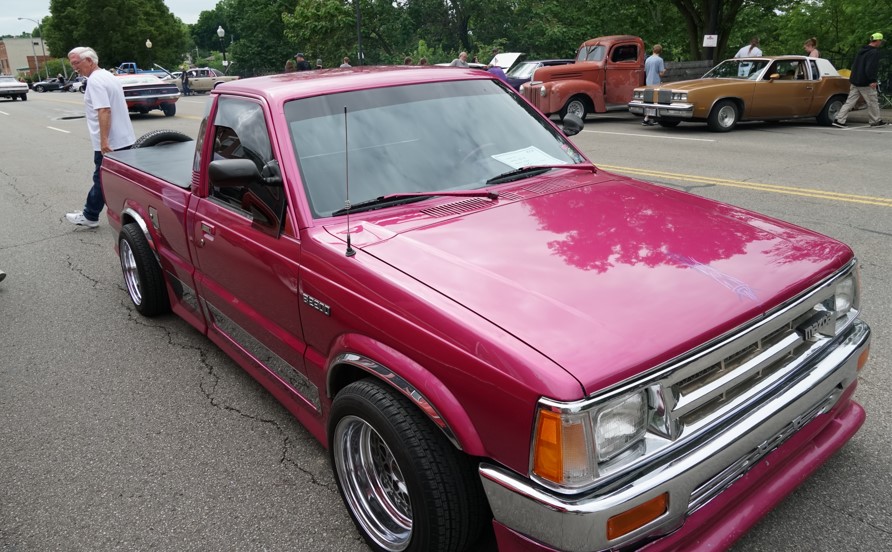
23	56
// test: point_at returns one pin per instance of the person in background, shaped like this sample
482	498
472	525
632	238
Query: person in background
654	69
302	64
497	71
407	60
319	63
811	46
460	61
108	121
184	77
422	61
346	63
290	67
863	83
750	50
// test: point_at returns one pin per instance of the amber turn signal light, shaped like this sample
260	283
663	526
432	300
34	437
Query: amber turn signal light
639	516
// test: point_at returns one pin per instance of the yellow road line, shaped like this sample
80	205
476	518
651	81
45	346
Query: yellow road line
774	188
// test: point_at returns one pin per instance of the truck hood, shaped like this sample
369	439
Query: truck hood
605	279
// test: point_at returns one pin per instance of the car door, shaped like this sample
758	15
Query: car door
248	256
624	71
788	95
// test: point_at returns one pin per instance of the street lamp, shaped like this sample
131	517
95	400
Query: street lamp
149	47
42	48
221	33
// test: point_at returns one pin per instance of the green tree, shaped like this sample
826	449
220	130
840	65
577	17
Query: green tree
117	30
256	40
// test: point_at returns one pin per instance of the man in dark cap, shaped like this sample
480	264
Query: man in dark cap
302	64
863	83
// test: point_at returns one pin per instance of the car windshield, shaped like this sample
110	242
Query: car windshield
524	70
591	53
416	139
737	69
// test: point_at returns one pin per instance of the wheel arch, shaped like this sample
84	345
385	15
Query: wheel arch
424	391
738	101
593	93
129	215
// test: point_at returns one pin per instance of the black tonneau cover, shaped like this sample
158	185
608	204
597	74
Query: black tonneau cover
169	162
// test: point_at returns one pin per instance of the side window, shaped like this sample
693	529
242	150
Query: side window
624	53
240	132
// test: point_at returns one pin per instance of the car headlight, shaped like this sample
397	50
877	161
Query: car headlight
522	89
638	94
679	96
846	300
570	442
542	91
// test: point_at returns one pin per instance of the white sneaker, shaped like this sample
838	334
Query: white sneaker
80	220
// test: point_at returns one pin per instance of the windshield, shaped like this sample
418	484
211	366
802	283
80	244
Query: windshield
591	53
524	70
416	138
737	69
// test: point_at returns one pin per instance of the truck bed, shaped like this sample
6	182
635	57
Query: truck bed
169	162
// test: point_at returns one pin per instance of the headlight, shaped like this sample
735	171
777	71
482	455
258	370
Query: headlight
638	94
846	300
569	443
542	91
522	89
679	96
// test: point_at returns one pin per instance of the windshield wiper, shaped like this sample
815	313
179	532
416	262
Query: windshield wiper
406	197
532	170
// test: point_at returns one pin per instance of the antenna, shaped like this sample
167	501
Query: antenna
350	251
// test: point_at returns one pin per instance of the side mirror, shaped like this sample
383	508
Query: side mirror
774	76
225	173
572	124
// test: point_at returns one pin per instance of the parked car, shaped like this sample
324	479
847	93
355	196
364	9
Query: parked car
50	85
77	84
12	88
748	89
484	328
523	71
202	79
145	92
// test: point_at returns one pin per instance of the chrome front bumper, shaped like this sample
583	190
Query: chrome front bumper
692	477
674	111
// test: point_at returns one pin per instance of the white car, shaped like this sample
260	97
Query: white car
12	88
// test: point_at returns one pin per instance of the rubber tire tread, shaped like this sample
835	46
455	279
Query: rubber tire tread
158	137
712	122
169	109
585	107
154	291
452	503
823	117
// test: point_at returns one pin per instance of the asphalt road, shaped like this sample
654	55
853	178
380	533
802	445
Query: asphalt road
122	433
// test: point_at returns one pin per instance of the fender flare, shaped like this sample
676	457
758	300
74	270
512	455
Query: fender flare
424	390
564	90
131	214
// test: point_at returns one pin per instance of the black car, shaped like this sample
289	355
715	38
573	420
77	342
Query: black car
523	71
58	83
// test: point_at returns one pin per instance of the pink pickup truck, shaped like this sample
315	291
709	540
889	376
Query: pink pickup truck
488	333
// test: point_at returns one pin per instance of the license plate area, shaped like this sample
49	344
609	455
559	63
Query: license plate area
650	112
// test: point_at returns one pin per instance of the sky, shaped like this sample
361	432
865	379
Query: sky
11	10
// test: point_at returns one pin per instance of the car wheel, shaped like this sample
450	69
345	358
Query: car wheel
830	111
157	137
39	89
577	105
723	116
405	486
142	274
668	124
24	97
169	109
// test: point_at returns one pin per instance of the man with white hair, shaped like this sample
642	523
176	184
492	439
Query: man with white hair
108	121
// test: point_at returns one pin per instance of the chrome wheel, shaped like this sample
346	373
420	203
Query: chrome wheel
576	106
723	116
131	273
727	116
373	483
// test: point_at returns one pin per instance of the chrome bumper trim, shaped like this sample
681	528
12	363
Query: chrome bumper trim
677	111
692	477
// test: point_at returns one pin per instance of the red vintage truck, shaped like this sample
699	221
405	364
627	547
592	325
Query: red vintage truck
606	71
487	332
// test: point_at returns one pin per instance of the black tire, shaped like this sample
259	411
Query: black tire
142	274
169	109
157	137
577	105
831	109
405	486
24	97
39	89
723	117
668	124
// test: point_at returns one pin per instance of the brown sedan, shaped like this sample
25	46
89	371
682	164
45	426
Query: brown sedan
748	89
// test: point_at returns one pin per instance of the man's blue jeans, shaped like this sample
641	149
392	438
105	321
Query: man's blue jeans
95	197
